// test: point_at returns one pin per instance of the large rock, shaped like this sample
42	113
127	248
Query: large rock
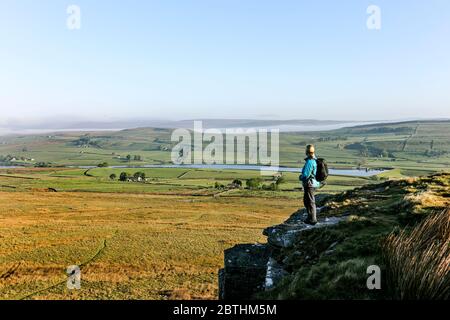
284	235
244	271
252	268
274	273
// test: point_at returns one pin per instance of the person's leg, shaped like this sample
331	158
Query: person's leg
306	202
305	198
311	204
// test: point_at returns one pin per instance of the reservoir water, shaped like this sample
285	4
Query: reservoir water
336	172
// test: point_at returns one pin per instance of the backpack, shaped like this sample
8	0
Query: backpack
322	170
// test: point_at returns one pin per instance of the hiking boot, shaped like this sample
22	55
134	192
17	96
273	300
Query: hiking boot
310	222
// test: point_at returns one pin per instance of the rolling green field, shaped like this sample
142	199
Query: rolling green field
163	237
162	181
413	147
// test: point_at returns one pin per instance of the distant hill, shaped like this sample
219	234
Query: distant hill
74	125
412	147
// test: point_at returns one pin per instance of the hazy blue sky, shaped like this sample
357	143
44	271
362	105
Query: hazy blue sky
224	58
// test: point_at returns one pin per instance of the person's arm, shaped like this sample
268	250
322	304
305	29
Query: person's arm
306	171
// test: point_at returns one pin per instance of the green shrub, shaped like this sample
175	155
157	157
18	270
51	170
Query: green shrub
139	174
123	176
237	182
253	183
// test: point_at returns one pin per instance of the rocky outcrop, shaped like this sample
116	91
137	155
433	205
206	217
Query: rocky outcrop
244	271
252	268
339	248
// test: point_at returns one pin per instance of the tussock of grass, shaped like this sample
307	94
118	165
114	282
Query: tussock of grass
418	262
420	201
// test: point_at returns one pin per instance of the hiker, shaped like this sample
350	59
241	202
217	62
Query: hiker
309	182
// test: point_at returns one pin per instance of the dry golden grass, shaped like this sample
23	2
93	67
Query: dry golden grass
145	246
421	201
418	262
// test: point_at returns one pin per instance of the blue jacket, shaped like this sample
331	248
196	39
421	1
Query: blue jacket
309	171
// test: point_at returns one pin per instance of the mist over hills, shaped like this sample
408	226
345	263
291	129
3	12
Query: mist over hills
68	124
19	126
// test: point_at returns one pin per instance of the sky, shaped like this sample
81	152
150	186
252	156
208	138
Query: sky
224	59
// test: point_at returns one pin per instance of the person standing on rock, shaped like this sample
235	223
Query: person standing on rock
309	182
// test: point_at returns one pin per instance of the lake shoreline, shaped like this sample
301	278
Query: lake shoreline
366	172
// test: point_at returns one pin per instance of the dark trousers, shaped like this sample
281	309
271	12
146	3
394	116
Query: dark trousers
310	202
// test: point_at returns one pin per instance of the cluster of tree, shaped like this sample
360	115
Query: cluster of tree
139	174
365	150
21	158
103	165
124	176
435	153
321	139
135	157
332	138
381	130
218	185
42	164
257	183
86	141
6	159
11	158
253	184
237	183
233	185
